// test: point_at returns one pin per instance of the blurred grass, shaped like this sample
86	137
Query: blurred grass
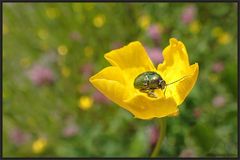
80	33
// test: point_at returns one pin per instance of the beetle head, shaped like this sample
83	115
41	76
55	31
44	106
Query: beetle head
162	84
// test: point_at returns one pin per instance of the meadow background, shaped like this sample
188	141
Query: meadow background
51	49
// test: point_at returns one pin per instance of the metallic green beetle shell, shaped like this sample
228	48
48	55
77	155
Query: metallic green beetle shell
149	81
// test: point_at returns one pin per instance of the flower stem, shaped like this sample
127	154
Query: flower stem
162	126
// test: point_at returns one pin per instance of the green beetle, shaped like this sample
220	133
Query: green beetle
148	81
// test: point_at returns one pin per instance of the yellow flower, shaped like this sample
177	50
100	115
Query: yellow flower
116	81
65	71
39	145
42	34
195	27
99	20
62	50
85	102
224	38
144	21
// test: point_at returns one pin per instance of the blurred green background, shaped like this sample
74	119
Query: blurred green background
51	49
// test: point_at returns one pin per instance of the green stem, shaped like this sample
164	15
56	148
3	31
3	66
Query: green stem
162	126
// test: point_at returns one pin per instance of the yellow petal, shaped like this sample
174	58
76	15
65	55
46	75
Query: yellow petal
176	66
110	73
174	114
113	90
111	82
181	89
144	107
131	56
175	60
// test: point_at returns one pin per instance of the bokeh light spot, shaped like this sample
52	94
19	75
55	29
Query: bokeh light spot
144	21
224	38
62	50
39	145
85	102
99	20
65	72
195	27
42	34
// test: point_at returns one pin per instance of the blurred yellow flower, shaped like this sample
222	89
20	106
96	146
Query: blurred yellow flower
88	51
144	21
42	34
62	50
217	31
5	29
99	20
85	102
224	38
65	71
52	13
195	26
39	145
25	62
117	81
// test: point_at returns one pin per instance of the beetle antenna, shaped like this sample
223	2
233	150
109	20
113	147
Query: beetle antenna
178	80
165	91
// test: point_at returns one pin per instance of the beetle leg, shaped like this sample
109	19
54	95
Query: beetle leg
144	90
165	89
151	94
